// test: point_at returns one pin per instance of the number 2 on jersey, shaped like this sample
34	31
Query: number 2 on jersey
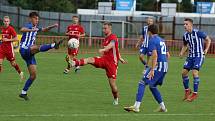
163	47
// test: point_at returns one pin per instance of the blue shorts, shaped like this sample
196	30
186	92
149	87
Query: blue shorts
193	63
156	80
143	50
27	56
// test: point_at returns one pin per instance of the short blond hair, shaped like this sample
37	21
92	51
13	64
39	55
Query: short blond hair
6	17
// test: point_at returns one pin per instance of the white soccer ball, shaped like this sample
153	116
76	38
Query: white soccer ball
73	43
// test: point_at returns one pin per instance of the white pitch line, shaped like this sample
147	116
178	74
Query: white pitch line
103	115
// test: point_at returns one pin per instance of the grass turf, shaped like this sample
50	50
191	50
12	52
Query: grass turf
86	95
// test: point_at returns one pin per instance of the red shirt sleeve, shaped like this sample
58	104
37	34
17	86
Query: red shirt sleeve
113	38
67	30
13	32
81	30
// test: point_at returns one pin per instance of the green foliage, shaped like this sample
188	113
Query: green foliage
73	5
151	5
45	5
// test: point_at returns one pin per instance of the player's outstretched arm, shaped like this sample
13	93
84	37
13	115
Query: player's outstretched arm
207	44
49	27
24	29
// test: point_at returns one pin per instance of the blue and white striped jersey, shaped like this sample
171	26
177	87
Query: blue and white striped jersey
28	38
145	36
157	43
195	40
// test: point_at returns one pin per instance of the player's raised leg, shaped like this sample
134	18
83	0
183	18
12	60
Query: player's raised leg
82	62
43	48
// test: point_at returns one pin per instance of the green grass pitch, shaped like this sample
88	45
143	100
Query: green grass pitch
86	96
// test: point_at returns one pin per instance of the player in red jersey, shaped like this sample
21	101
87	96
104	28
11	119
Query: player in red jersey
108	60
75	30
6	46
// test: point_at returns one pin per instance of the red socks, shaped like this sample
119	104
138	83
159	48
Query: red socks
17	68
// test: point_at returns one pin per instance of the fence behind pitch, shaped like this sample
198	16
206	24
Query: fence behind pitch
91	45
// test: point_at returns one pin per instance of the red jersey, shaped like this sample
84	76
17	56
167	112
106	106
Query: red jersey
8	33
75	30
113	53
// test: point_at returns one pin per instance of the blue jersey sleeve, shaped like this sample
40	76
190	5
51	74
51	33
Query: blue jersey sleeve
202	34
151	47
28	25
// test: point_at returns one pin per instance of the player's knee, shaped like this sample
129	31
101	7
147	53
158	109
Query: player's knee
90	60
13	63
152	87
141	82
184	72
33	77
195	73
141	57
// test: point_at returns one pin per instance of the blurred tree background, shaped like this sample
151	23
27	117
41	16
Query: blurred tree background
73	5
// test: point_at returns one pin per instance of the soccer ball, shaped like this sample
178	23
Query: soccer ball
73	43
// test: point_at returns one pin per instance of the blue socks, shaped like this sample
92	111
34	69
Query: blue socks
27	84
156	94
196	81
45	47
186	82
140	92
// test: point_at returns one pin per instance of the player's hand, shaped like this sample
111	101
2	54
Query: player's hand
180	55
151	74
123	61
77	35
55	25
205	52
137	45
34	29
101	51
5	39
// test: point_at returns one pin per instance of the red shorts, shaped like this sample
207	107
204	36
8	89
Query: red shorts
73	52
110	67
7	51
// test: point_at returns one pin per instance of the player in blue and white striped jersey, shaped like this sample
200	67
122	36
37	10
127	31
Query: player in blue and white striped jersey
194	39
143	42
28	48
155	75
